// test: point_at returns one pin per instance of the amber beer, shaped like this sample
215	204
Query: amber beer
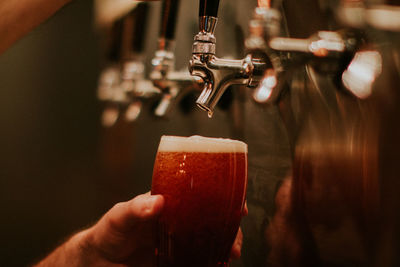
204	182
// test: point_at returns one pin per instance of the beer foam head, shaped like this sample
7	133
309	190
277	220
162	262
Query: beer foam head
200	144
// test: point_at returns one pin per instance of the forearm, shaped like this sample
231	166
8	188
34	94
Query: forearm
73	253
18	17
123	236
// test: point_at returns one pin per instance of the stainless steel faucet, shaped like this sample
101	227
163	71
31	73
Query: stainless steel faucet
172	84
270	57
380	20
218	73
343	54
122	85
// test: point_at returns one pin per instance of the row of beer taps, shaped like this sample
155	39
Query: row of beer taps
268	64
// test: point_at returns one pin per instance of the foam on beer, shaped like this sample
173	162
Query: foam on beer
200	144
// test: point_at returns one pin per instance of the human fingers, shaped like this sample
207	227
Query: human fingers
125	228
141	208
237	245
245	210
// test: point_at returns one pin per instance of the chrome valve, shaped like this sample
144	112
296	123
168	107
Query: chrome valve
327	52
172	84
122	85
217	73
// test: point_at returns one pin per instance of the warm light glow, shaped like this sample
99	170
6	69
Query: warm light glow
133	111
263	93
163	106
362	72
109	79
110	116
108	11
264	3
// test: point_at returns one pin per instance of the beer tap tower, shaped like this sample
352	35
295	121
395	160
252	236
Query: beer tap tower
172	84
122	85
109	78
270	58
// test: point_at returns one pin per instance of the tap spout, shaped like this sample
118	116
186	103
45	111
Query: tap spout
218	74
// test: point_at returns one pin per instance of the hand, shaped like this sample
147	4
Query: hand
122	237
125	233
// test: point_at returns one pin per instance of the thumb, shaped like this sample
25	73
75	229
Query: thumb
141	208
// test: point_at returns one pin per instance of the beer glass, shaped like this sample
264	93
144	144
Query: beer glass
203	181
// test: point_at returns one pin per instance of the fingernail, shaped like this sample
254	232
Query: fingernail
157	203
151	201
148	206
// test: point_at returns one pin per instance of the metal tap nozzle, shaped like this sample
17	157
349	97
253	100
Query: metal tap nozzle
217	73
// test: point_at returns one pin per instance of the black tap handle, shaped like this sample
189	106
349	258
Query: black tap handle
138	30
208	8
169	15
113	41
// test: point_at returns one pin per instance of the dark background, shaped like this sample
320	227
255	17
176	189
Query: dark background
49	160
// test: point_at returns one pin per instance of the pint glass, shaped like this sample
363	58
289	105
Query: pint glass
203	181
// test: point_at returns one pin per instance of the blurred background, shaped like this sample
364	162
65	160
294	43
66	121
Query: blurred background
323	186
52	183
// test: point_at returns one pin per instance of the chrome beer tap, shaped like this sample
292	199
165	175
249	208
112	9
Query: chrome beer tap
122	85
379	15
108	90
381	21
218	73
265	25
325	52
133	82
172	84
270	58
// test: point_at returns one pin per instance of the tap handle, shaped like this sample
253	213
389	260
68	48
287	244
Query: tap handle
137	27
169	14
208	8
113	47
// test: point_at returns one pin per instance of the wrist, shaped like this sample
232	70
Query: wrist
86	253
